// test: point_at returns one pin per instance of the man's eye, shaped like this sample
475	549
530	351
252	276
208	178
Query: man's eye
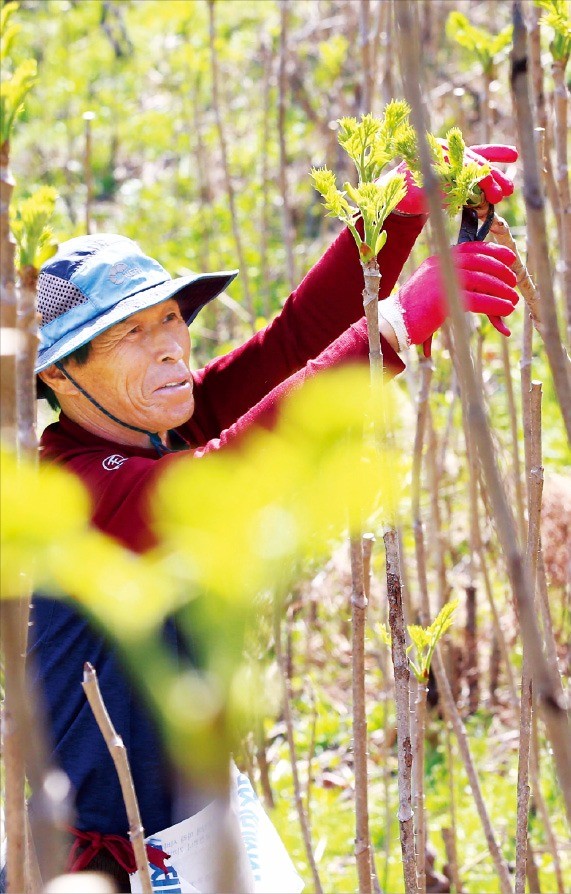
134	330
172	316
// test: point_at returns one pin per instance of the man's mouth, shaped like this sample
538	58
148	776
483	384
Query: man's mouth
178	385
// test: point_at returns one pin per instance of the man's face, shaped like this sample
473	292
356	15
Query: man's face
139	369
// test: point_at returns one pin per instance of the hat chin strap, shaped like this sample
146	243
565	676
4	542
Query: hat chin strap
153	436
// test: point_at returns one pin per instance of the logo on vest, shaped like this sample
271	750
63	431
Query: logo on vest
110	463
121	272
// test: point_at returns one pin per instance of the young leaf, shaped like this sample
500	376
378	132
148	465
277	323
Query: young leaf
485	46
558	17
29	224
12	94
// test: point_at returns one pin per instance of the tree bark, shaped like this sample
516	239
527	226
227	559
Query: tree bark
402	699
360	746
535	208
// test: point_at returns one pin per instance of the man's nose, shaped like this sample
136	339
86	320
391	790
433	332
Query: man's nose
168	348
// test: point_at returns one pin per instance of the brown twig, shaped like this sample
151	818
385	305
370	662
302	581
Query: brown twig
502	235
288	229
561	102
420	712
360	750
426	367
534	514
88	169
118	752
418	774
516	462
366	56
542	130
402	700
266	56
535	210
262	760
451	834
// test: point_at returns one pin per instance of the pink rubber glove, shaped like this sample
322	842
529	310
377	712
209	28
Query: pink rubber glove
495	185
419	308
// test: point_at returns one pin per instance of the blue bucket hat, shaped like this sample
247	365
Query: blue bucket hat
93	282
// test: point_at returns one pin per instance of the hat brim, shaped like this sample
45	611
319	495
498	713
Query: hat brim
192	292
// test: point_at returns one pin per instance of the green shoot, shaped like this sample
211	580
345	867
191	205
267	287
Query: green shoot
29	224
13	88
370	143
488	48
458	179
8	30
423	640
557	16
373	201
12	95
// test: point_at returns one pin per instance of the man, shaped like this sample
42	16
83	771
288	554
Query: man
114	356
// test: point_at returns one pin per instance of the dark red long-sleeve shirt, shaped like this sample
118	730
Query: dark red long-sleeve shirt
320	325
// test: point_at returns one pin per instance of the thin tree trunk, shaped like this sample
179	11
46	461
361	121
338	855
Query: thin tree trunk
8	316
525	377
26	400
451	859
561	101
516	461
14	745
202	169
88	169
555	715
118	752
264	175
418	771
366	56
535	209
11	631
282	109
434	471
367	542
287	698
471	670
402	700
450	834
262	761
226	166
360	751
542	808
534	512
485	110
543	130
426	370
371	277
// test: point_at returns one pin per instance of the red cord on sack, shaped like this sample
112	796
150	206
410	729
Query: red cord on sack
120	848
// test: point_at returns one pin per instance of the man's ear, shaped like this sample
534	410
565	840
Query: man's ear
55	379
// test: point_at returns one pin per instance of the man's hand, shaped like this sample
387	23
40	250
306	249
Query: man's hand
419	309
495	185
